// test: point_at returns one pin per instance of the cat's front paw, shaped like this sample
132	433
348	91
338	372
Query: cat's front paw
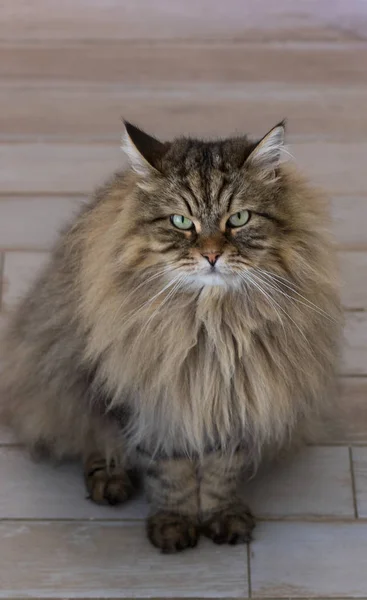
107	483
232	525
171	532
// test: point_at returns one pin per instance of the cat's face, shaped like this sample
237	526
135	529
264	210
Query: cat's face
209	212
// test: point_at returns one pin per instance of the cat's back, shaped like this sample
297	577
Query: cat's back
44	381
53	293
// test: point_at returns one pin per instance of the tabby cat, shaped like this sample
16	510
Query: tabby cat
187	321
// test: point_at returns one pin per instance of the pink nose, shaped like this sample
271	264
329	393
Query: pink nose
211	257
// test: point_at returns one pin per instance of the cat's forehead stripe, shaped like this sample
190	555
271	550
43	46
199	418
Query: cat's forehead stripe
208	191
204	183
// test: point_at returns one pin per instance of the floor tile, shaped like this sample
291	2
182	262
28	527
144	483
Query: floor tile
315	482
60	560
360	474
20	269
57	168
33	223
201	108
67	168
348	423
6	436
349	217
3	318
292	559
329	165
264	20
144	64
43	491
355	347
353	268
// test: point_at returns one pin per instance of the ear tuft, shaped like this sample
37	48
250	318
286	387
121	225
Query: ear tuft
144	152
267	152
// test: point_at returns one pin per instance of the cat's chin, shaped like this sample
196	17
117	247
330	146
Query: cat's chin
199	280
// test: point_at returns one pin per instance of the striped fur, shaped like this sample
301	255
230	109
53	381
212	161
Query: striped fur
128	339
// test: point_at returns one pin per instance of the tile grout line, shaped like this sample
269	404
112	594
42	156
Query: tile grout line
30	249
353	479
336	444
343	444
112	139
304	519
186	597
249	582
5	195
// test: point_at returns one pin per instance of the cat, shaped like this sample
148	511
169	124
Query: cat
186	325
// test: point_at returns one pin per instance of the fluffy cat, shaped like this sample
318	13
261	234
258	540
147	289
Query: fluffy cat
187	322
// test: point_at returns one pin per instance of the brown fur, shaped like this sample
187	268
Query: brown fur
109	353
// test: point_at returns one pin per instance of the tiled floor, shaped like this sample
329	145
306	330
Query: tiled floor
68	71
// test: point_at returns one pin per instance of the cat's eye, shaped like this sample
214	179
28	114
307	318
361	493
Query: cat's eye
181	222
239	219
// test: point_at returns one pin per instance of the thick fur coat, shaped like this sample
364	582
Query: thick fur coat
132	338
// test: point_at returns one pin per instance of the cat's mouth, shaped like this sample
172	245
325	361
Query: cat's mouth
201	275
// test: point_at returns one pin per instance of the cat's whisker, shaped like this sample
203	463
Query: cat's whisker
245	288
306	302
292	287
280	277
134	313
285	151
286	314
248	278
272	302
167	269
171	294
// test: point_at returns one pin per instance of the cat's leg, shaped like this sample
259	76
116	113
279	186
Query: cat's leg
107	481
225	518
172	489
108	473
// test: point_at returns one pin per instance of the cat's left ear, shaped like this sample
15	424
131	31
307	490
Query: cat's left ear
145	153
266	154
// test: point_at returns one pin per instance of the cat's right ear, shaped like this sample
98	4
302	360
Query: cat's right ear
145	153
267	152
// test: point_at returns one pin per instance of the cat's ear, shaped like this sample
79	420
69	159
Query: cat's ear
267	152
144	152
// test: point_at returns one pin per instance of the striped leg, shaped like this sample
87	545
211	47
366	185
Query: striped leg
224	516
172	489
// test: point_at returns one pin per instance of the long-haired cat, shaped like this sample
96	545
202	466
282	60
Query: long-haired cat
188	320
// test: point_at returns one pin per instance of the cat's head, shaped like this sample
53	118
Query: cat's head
207	212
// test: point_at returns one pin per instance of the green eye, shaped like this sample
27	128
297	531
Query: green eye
181	222
239	219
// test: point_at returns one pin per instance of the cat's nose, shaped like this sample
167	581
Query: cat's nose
211	257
